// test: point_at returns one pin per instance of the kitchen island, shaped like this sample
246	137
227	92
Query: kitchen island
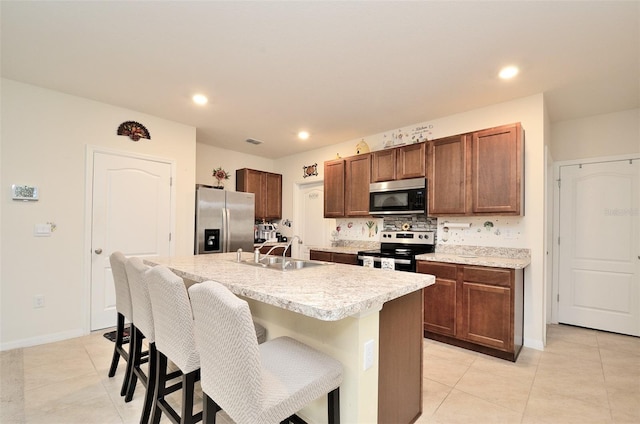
344	311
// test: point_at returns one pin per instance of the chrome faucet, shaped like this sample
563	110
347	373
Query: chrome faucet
256	253
289	245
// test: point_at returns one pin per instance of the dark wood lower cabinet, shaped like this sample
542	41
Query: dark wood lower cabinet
340	258
475	307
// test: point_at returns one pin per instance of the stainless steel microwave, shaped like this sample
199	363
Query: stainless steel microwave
403	197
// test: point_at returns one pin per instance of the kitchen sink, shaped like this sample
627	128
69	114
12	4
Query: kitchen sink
283	264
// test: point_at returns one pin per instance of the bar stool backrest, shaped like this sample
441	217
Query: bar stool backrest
172	319
139	286
231	371
121	283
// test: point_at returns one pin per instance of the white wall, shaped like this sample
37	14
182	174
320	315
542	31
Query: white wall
530	111
44	139
611	134
209	158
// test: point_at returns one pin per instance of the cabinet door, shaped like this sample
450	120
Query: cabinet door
334	174
344	258
383	165
252	181
273	196
496	169
411	161
447	176
487	315
440	298
319	255
357	179
487	307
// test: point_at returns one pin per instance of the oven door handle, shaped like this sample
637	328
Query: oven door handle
398	261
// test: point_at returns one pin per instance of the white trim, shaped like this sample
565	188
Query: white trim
533	344
90	151
297	209
556	218
47	338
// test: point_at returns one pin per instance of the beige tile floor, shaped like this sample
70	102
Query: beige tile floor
583	376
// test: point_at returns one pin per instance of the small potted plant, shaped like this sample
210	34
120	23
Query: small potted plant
220	175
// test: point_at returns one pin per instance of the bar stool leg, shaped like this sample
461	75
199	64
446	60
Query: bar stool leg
151	385
161	381
130	359
118	345
136	361
209	410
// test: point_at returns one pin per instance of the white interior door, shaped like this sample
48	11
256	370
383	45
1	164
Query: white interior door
131	212
312	227
599	255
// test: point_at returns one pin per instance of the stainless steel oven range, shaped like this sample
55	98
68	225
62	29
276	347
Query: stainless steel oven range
398	250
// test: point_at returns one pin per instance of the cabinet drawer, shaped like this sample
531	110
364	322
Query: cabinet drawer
495	276
345	258
318	255
440	270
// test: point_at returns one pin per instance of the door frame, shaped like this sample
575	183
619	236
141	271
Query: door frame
298	186
90	151
555	289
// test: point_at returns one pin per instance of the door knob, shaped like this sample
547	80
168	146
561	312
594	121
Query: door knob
98	251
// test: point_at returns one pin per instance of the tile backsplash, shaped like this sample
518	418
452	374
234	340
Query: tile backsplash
473	231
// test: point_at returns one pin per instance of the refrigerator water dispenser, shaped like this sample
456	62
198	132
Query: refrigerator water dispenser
211	240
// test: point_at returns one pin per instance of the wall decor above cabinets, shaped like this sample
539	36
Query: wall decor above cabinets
310	170
134	130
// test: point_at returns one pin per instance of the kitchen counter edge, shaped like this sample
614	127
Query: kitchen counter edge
490	261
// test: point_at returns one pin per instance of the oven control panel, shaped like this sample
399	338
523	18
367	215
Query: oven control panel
408	237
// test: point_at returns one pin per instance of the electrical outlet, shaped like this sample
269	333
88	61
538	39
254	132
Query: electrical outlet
38	301
368	355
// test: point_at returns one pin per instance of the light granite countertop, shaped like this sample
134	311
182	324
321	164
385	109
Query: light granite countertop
498	257
329	293
492	261
339	249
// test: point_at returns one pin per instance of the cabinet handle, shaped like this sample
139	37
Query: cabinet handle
98	251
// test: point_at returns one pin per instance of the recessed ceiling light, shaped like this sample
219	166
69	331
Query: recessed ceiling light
303	135
200	99
508	72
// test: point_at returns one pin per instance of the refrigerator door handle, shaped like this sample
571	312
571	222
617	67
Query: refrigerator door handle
226	238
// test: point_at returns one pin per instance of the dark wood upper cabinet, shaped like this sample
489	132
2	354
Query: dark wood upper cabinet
357	179
411	161
267	188
274	196
496	170
334	188
447	178
398	163
383	165
479	173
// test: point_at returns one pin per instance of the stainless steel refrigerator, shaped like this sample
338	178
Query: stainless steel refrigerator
224	220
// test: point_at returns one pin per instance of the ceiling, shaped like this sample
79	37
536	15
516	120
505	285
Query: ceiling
340	70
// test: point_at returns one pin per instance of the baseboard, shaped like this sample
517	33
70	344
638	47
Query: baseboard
534	344
47	338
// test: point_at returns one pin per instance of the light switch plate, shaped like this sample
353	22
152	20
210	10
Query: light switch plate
42	230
